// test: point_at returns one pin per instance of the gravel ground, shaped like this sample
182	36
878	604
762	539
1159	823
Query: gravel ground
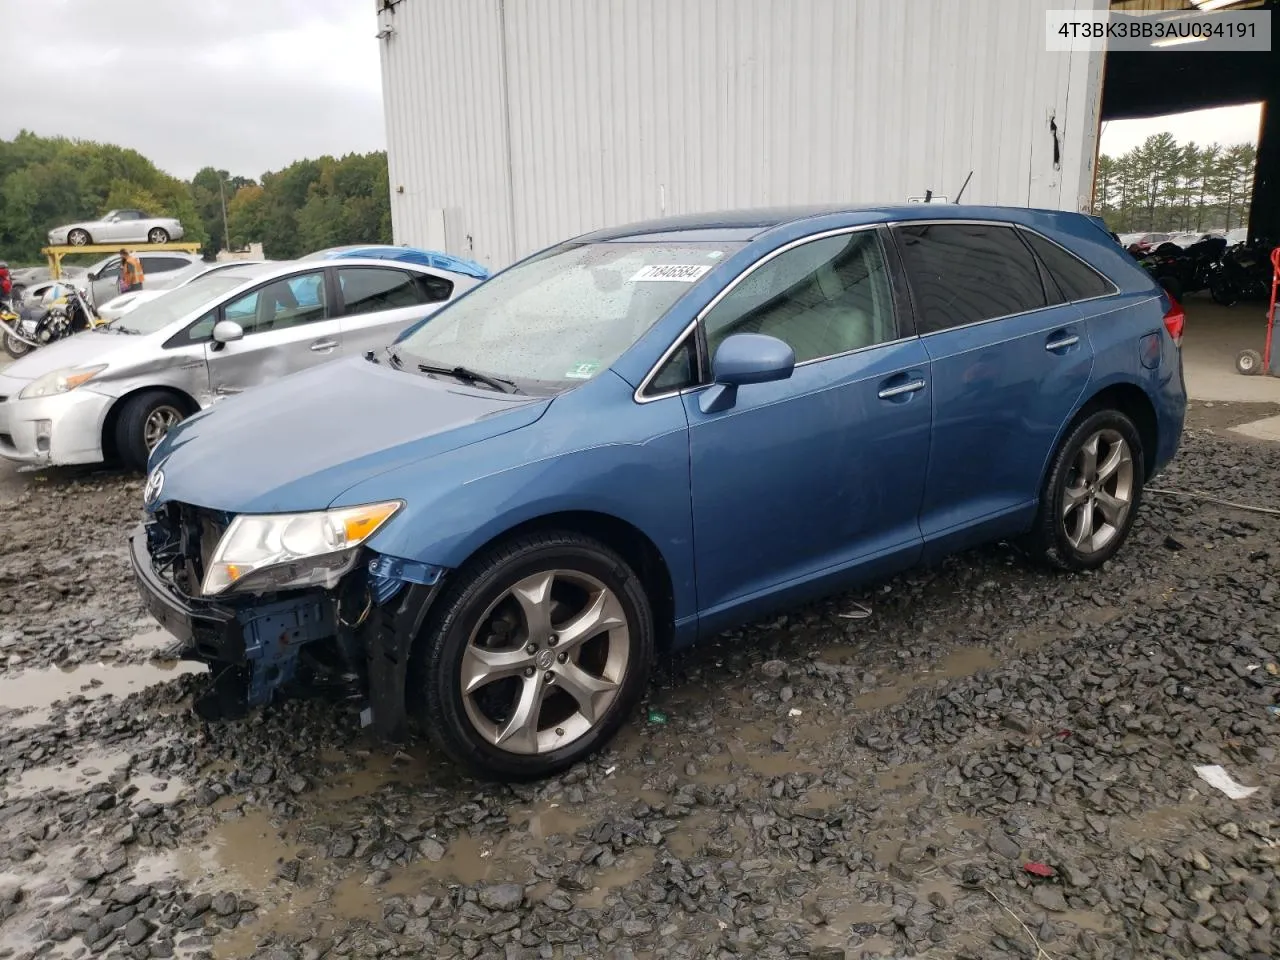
821	785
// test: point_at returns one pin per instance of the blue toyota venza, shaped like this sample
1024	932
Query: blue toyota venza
644	435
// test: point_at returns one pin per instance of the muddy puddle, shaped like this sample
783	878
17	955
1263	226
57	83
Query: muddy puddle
29	696
961	662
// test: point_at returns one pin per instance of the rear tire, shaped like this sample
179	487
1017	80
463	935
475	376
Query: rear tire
15	347
1091	493
79	238
553	627
1249	363
158	235
1223	292
144	420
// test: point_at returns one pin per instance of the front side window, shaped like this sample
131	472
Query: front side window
284	303
565	316
823	298
962	273
680	370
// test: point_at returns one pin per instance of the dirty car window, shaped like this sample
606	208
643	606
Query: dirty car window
567	315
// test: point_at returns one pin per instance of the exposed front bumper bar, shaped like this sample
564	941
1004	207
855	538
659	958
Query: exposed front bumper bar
262	636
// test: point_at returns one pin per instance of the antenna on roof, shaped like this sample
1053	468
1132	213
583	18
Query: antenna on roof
963	185
928	196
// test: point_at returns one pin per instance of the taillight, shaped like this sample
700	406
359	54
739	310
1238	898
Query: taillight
1175	318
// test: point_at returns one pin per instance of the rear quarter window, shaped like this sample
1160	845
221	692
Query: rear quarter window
1075	278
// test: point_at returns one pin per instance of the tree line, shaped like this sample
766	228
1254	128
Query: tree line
1170	187
311	204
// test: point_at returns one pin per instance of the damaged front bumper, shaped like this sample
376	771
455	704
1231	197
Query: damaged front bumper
364	628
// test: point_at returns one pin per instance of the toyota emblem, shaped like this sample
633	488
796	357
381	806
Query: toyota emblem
155	483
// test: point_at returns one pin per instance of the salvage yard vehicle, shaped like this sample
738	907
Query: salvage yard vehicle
124	226
124	303
111	393
646	435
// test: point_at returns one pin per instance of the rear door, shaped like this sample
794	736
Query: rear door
377	303
288	326
1008	366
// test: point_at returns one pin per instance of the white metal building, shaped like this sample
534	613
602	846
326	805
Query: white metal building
512	124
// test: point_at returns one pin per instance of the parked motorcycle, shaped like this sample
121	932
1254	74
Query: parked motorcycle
1185	270
62	312
1244	274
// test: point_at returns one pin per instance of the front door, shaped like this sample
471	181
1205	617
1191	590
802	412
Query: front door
820	475
287	327
1008	369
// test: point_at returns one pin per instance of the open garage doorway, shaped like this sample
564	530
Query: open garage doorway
1189	144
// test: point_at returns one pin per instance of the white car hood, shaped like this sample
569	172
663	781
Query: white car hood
80	350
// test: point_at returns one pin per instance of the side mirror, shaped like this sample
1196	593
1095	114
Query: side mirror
225	331
742	359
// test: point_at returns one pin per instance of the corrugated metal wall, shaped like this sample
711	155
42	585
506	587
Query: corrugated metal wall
515	123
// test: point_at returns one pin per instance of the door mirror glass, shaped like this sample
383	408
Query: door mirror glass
752	358
225	331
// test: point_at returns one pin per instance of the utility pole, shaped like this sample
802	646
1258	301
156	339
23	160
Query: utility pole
226	231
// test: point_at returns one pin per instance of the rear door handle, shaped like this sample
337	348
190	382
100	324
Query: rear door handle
911	386
320	345
1062	344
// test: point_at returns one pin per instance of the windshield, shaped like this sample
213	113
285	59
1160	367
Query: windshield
565	316
175	304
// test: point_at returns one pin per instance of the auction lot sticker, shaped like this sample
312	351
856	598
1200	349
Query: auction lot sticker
679	272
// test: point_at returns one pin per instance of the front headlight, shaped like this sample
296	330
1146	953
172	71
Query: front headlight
59	381
264	552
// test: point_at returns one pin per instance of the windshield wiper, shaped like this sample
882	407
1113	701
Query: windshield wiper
394	358
472	376
129	330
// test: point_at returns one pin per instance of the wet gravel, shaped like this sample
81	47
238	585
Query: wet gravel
824	784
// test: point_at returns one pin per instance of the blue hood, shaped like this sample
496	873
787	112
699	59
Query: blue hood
298	443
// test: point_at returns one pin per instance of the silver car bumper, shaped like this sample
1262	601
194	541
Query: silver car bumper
50	431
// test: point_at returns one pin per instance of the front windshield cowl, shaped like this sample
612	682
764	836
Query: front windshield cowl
562	318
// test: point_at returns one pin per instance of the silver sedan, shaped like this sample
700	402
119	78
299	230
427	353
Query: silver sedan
118	226
113	392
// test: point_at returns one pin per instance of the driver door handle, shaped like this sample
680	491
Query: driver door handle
911	386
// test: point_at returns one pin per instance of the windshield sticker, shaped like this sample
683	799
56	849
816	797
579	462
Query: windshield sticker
679	272
582	371
715	255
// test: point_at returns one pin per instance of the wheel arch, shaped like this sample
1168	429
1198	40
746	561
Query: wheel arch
621	536
1130	399
109	451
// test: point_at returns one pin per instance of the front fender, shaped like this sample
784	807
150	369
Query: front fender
636	472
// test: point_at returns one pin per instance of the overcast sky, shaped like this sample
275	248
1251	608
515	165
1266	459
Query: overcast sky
1227	125
243	85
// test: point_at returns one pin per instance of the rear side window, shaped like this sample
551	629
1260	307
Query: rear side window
962	273
163	264
1075	278
371	289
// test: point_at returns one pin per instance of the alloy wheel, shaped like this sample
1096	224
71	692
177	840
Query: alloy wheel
158	423
1099	492
545	662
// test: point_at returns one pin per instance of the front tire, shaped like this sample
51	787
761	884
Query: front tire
1223	292
79	238
540	650
1091	493
144	420
158	235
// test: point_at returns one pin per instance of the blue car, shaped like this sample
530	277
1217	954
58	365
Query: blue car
645	435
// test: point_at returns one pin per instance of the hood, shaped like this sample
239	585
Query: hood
298	443
83	349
